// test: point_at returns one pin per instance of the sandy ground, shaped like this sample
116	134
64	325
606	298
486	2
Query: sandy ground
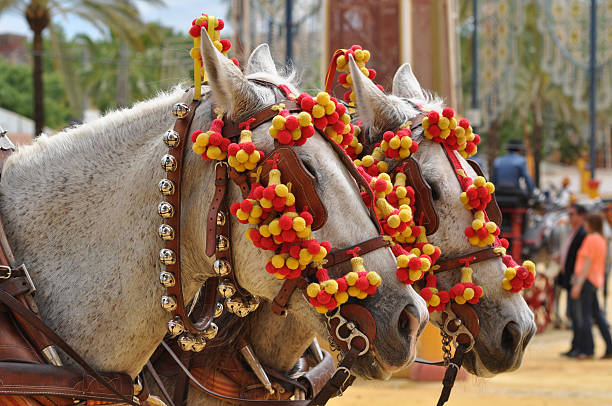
545	378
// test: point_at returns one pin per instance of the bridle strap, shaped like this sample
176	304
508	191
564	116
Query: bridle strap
451	373
336	257
449	264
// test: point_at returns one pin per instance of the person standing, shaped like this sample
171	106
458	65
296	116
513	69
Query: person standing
588	277
569	251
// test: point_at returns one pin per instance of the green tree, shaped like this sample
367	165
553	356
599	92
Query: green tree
16	94
121	16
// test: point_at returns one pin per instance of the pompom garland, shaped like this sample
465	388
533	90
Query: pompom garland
276	196
394	221
328	116
243	156
373	164
211	145
478	194
398	145
481	232
519	277
436	300
291	129
466	290
361	57
457	136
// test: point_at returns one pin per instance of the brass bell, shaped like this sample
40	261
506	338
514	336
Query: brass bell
235	305
168	303
200	343
165	210
180	110
226	289
218	309
211	331
166	279
222	243
168	163
221	219
167	256
253	304
171	138
222	267
186	342
176	327
166	187
166	232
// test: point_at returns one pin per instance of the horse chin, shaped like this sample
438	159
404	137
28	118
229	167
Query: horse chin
374	366
486	367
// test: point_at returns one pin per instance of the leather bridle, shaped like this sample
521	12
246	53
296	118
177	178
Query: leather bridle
352	327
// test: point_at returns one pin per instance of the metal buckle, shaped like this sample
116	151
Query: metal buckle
8	272
354	332
348	376
461	329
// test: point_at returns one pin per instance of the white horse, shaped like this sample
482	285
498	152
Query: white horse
506	323
79	209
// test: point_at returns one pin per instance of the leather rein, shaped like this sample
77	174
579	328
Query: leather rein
352	327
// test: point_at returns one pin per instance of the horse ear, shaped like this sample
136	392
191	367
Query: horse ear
405	84
261	61
374	107
231	89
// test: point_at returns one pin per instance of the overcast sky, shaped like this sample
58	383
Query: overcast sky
175	14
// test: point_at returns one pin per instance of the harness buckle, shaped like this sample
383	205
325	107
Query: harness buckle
459	330
8	272
354	332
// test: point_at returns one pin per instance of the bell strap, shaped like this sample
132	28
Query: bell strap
449	264
32	319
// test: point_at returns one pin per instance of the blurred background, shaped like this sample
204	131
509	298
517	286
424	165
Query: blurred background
538	71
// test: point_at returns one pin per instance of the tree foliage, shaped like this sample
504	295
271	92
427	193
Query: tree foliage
16	94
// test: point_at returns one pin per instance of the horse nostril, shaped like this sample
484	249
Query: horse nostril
408	323
511	337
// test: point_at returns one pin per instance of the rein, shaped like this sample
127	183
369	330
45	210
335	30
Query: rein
351	326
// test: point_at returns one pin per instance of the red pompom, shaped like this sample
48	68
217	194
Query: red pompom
448	112
307	103
464	123
195	31
326	245
371	74
285	222
362	283
220	25
291	123
433	117
194	135
226	44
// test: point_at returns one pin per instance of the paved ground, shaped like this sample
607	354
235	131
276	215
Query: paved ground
545	378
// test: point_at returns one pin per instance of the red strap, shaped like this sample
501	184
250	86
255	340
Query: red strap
331	70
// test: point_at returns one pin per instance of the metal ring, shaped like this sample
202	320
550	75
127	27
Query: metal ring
9	272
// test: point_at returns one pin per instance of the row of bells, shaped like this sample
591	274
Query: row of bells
236	305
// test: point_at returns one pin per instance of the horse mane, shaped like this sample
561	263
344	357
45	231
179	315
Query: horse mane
88	136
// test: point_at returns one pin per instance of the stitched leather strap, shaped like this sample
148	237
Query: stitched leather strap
32	319
455	263
339	256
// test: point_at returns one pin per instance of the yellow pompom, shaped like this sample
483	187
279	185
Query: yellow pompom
278	122
429	249
341	297
330	108
358	54
292	263
393	221
443	123
414	275
198	149
425	123
468	293
351	278
242	156
278	261
202	139
452	123
477	224
290	199
402	261
374	278
434	301
510	273
299	224
318	111
313	289
321	309
194	53
304	119
506	284
341	61
529	265
366	55
323	98
460	299
330	286
479	181
490	187
281	190
274	227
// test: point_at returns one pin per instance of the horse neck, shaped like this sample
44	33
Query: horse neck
79	210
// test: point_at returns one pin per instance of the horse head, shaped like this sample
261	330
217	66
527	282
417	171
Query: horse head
398	312
506	323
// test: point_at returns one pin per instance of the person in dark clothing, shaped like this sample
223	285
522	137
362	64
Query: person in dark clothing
569	253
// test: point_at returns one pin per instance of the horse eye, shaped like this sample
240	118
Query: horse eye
435	190
309	167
